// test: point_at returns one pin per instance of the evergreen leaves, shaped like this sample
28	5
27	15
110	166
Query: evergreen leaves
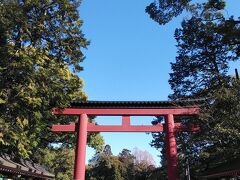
207	43
41	51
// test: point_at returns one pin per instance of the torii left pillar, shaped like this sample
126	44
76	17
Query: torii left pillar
80	154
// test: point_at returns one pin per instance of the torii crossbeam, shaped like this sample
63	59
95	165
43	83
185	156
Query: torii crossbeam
126	109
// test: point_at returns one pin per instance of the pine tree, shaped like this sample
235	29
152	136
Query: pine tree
207	43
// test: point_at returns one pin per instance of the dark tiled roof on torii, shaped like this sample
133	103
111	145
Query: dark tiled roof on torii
137	104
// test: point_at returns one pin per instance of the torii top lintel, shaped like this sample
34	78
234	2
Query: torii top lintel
132	108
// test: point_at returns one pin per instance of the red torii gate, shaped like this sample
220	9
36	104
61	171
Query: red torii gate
168	109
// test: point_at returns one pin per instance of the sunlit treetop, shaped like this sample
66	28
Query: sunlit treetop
53	26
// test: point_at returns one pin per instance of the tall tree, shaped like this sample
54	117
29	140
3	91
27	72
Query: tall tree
207	42
107	150
163	11
105	166
201	64
127	159
41	51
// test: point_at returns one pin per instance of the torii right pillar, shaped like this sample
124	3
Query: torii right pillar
170	128
171	148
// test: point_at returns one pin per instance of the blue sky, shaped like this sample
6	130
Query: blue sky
128	59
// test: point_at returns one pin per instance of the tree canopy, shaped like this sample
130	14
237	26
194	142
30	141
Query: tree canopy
207	43
104	165
41	53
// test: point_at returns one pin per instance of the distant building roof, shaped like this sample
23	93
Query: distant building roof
24	168
137	104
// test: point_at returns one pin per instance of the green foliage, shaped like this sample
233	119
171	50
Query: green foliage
32	84
60	161
207	43
222	117
202	63
104	165
218	140
107	167
53	26
127	160
96	141
162	11
41	51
